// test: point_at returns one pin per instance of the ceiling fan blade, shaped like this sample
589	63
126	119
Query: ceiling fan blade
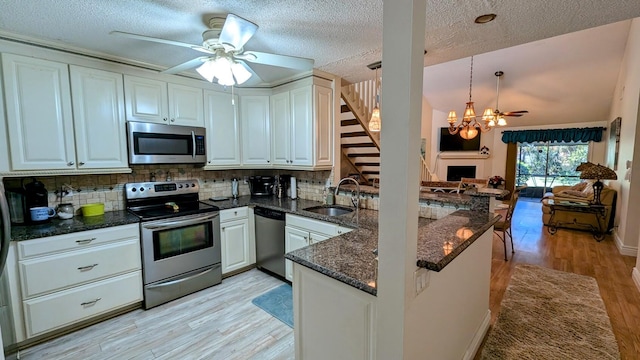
186	65
285	61
236	31
514	113
161	41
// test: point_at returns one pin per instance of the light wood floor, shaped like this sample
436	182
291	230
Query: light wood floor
216	323
221	322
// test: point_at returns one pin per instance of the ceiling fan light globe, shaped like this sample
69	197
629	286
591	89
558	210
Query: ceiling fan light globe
240	72
491	123
502	121
206	70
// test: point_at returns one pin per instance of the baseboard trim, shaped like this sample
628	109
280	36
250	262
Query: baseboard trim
478	338
636	277
624	249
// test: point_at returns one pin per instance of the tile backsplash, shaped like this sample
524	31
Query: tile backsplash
108	189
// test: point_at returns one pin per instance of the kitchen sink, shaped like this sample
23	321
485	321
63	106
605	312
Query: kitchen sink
329	210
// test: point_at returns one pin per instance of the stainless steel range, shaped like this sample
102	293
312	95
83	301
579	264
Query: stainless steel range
180	239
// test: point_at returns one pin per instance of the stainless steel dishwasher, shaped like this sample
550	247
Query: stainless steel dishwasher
270	240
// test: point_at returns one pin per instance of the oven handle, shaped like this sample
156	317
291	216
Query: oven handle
173	224
177	281
193	141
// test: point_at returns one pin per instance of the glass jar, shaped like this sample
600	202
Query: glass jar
65	211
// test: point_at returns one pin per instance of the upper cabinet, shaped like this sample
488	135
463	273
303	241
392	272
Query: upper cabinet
39	117
223	129
302	125
160	102
43	133
256	136
98	113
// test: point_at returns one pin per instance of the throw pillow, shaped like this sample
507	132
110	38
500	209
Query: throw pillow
588	189
574	193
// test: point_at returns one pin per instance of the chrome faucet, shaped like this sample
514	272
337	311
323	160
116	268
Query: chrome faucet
355	197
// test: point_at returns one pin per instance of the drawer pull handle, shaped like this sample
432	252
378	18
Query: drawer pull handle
87	268
90	303
85	241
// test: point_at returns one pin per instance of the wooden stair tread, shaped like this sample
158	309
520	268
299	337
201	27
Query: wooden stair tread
371	172
349	122
354	134
344	109
358	145
364	155
367	164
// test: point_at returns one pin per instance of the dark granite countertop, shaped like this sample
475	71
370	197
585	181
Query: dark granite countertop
75	224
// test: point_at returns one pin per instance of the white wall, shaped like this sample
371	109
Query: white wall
625	105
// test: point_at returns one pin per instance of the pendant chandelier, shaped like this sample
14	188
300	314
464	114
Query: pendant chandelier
469	127
375	122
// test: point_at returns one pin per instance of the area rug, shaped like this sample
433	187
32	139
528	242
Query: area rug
549	314
278	303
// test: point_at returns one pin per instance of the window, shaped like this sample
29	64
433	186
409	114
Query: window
542	165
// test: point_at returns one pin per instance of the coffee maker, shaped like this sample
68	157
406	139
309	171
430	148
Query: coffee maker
261	185
35	195
283	185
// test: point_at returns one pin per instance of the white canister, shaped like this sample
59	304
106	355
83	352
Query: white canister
294	188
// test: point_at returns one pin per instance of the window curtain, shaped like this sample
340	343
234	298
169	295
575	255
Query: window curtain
553	135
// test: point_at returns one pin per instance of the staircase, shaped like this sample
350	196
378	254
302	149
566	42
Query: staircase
360	147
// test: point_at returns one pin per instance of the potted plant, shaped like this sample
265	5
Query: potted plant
496	181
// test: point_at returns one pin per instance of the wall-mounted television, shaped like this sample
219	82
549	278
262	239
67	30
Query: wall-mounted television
450	142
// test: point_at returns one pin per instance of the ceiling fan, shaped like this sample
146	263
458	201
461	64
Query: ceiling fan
499	115
225	59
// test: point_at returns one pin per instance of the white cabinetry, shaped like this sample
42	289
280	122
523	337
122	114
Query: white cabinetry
301	231
69	278
302	125
223	129
98	117
43	134
256	136
237	244
39	118
160	102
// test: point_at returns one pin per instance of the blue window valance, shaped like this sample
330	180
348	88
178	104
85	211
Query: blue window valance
553	135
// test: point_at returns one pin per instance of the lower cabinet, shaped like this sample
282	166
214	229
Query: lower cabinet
301	231
69	278
236	243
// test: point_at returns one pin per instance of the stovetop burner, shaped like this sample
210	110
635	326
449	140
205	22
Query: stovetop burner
160	200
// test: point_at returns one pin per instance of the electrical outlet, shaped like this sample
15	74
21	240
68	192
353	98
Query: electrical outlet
421	279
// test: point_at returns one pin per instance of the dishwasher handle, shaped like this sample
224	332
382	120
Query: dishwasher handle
269	213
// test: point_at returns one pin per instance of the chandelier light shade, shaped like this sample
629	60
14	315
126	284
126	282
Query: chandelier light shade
375	123
227	71
597	172
469	126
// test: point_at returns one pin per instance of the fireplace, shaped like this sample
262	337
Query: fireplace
455	173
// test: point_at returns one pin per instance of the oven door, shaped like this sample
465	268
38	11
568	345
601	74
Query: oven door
176	246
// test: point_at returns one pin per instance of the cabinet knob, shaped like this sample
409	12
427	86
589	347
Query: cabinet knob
70	163
209	162
268	161
164	119
173	120
339	232
235	213
223	228
81	163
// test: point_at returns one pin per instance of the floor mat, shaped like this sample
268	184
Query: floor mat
278	303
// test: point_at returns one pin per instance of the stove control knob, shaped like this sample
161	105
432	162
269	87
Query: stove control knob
193	185
141	188
186	185
133	189
180	186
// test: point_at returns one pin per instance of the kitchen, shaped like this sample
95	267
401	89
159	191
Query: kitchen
61	165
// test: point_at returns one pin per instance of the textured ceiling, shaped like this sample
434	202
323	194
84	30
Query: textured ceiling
344	36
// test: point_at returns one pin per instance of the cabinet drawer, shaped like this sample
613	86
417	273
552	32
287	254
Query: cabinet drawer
48	273
83	239
312	225
233	214
63	308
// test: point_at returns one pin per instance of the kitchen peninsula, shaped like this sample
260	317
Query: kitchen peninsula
335	283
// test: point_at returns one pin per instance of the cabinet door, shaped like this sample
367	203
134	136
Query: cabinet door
145	99
317	237
223	128
235	246
185	105
280	128
256	141
324	111
39	118
301	127
293	239
98	116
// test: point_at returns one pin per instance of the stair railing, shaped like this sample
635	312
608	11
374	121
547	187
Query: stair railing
361	99
425	173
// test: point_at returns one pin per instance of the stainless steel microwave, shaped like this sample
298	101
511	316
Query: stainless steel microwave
165	144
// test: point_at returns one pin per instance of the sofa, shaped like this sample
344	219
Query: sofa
581	193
